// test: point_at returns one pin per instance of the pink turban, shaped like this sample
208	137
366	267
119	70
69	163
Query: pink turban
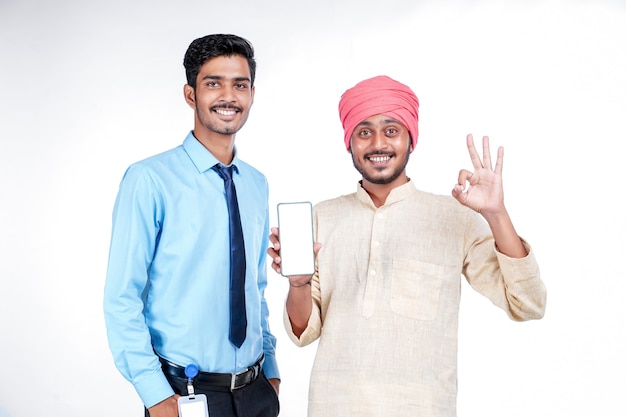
379	95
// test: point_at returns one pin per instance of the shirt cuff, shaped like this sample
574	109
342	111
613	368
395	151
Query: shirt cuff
153	389
270	366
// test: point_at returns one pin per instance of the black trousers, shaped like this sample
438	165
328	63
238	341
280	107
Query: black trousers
257	399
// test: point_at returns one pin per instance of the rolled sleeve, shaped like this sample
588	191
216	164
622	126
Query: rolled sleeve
312	331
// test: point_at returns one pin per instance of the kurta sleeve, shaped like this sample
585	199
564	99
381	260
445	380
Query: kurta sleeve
513	284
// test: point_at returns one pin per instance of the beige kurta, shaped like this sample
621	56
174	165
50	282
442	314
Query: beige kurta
386	301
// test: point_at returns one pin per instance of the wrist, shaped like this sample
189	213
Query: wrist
496	219
299	284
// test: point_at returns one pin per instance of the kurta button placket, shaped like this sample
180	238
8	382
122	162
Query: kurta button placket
375	276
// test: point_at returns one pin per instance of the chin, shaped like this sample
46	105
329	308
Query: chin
378	179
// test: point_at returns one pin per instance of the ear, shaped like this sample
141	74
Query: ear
190	96
252	90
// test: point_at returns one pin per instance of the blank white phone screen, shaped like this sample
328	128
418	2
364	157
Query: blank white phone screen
295	230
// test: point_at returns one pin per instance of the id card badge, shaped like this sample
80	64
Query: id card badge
193	406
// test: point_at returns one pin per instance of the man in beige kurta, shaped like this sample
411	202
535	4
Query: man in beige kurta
384	301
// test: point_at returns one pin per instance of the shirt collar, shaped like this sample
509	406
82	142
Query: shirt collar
201	157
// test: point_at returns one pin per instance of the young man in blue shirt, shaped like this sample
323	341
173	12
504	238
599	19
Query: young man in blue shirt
166	298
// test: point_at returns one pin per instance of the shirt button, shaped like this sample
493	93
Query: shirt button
376	243
372	272
379	215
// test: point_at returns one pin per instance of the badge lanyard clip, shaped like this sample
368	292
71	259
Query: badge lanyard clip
192	405
191	371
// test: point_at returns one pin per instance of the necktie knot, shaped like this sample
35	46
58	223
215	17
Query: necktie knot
226	172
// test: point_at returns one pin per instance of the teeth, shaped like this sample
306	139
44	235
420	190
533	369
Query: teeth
379	158
225	112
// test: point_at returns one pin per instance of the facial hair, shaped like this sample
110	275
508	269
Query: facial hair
225	130
380	180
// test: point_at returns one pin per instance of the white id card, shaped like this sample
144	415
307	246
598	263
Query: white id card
295	230
193	406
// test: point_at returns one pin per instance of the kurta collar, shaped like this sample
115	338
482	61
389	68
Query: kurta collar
397	194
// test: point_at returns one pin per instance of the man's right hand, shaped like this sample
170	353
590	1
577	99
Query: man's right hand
166	408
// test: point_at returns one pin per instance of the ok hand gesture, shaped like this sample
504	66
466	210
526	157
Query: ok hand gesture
481	190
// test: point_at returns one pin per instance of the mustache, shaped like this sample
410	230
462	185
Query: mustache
226	107
379	153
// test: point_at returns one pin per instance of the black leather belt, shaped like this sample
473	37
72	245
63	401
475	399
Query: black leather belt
231	381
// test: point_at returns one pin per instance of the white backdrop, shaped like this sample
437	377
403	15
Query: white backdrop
88	87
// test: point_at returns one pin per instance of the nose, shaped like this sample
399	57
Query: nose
228	95
379	140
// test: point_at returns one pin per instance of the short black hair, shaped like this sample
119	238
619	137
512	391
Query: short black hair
211	46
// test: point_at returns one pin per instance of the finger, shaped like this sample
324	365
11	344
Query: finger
458	192
276	263
462	184
274	238
499	161
464	177
275	242
272	253
486	153
476	162
316	247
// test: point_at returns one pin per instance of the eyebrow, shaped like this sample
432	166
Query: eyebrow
219	77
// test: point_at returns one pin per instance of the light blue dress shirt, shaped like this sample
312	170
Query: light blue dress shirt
168	273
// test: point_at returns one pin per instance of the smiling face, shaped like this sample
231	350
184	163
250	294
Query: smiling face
222	98
380	150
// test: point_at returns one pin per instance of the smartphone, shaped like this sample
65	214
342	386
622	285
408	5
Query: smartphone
193	406
295	231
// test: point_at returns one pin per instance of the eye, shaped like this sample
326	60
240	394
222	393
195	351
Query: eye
392	131
365	133
212	84
241	86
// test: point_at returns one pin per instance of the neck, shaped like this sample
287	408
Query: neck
222	147
379	192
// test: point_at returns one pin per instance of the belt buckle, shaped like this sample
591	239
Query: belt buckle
233	379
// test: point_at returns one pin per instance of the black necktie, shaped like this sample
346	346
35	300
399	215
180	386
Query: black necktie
238	319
